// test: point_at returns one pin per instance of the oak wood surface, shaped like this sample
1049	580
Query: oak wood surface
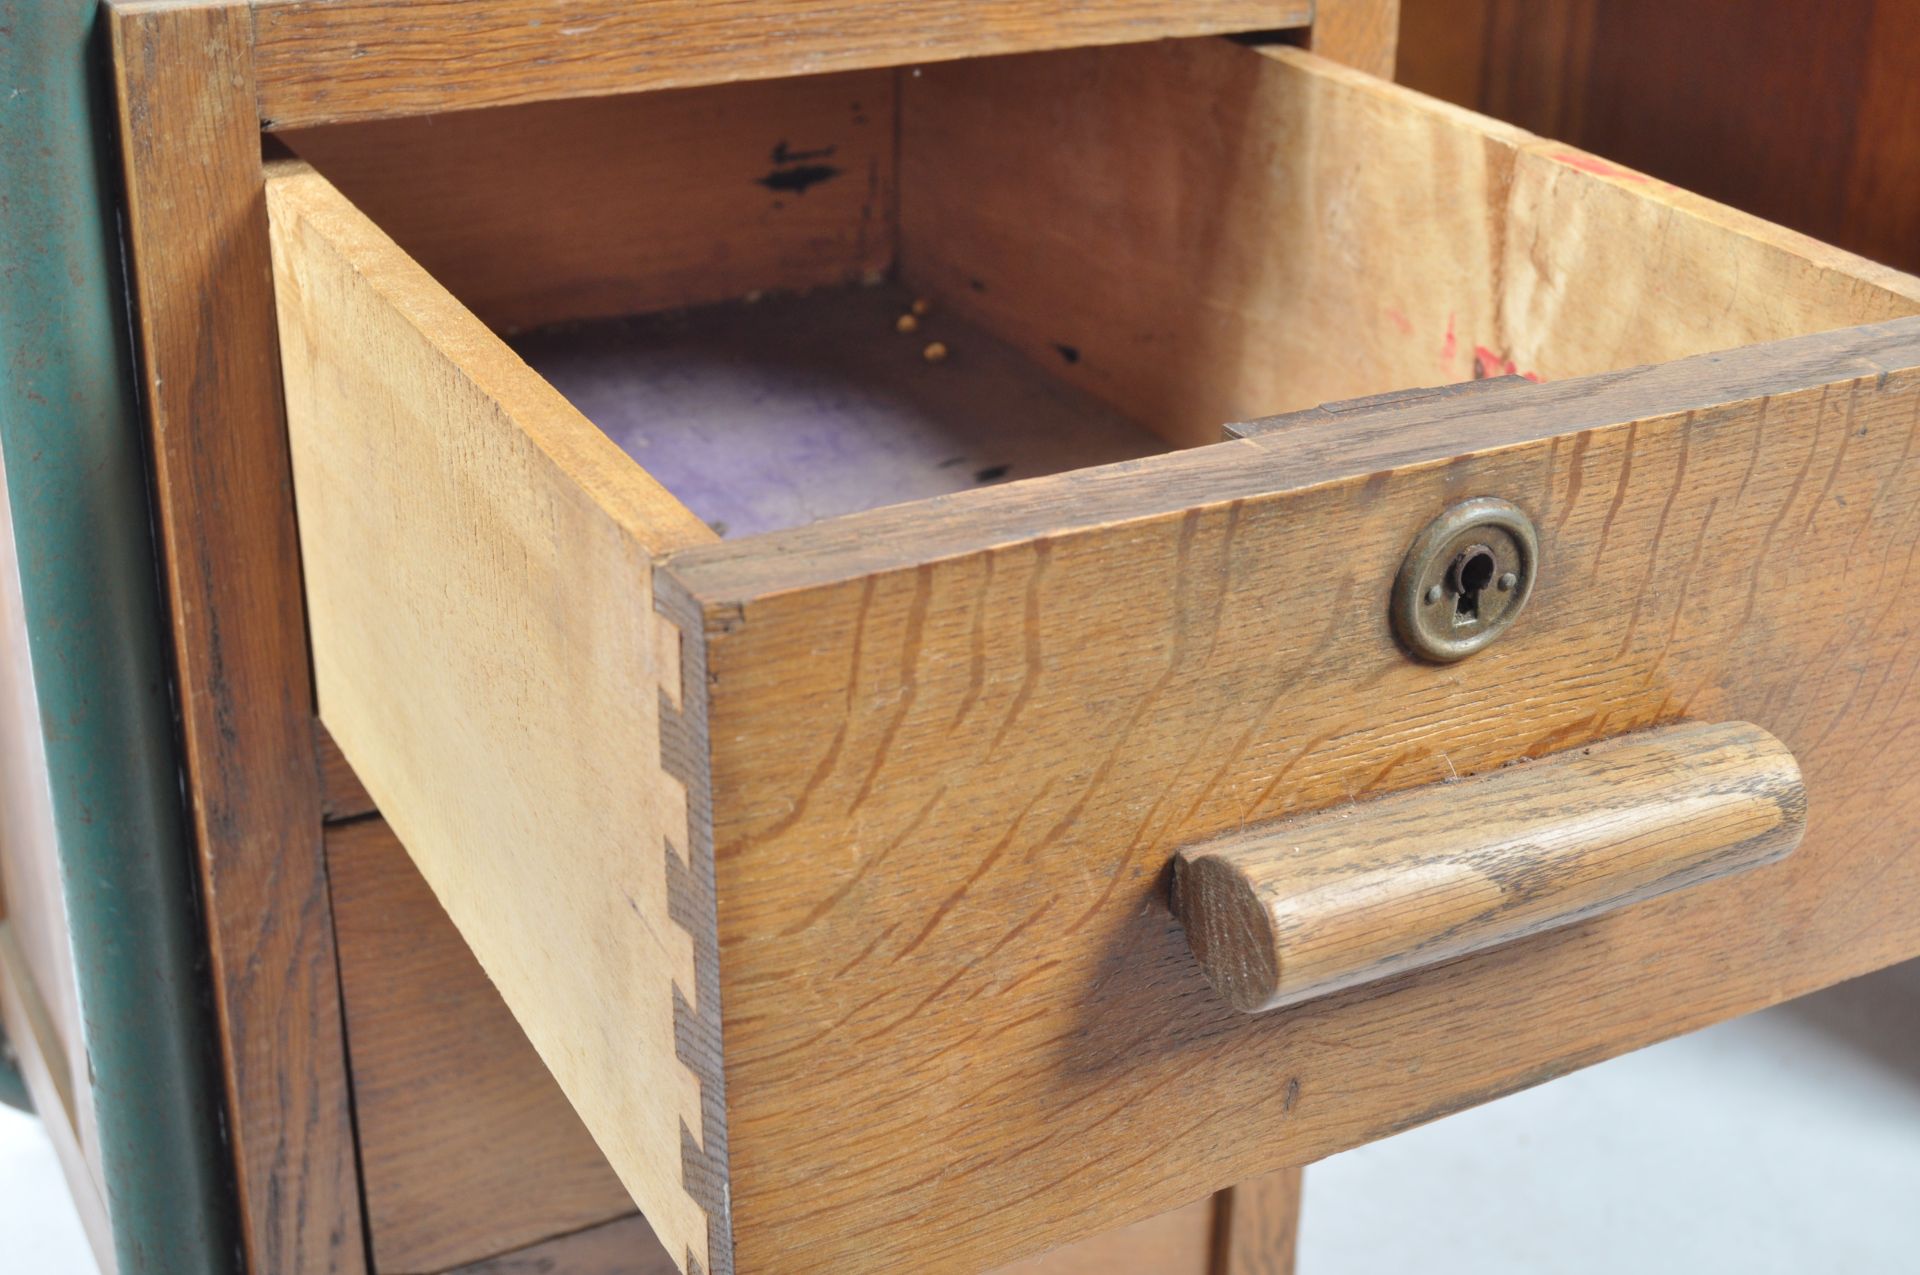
954	746
329	60
1257	1230
1192	220
210	386
623	1247
268	764
476	564
609	206
467	1146
356	307
1807	115
1282	913
471	1156
1363	34
1175	1243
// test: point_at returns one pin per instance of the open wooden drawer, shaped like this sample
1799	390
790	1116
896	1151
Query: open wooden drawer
826	865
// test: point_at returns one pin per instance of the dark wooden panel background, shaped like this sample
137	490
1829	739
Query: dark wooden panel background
1806	114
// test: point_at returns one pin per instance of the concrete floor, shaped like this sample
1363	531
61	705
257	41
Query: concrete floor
39	1230
1786	1142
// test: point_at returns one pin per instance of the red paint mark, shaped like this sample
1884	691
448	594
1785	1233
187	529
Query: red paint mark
1488	364
1400	321
1598	167
1449	347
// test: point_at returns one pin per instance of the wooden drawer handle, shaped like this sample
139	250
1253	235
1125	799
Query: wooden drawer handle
1300	908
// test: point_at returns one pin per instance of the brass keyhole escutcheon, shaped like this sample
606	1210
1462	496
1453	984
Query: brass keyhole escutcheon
1465	579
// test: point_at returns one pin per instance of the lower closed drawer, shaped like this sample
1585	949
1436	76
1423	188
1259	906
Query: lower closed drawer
802	743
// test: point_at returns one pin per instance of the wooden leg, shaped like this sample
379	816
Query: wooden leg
1248	1229
1256	1226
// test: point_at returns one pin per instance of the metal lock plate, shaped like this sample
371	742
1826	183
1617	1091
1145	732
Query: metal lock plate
1464	579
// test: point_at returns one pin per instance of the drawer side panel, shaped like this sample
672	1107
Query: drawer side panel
1219	232
477	561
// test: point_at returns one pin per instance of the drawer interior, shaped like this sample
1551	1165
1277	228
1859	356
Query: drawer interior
1115	252
780	411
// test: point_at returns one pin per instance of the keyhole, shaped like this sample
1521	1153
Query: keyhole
1465	578
1472	573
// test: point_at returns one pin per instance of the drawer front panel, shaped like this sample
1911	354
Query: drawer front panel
948	781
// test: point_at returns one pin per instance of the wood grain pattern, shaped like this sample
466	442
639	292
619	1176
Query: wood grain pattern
197	235
923	1064
330	60
1176	1243
611	206
1258	1226
467	1146
623	1247
1279	914
1191	220
1451	49
1832	150
476	563
1363	34
469	1151
954	747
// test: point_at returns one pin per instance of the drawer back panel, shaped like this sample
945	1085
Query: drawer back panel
592	207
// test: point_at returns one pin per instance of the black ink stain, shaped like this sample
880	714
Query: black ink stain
795	171
796	181
992	473
1071	353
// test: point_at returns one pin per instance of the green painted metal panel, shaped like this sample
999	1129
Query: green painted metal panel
76	483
